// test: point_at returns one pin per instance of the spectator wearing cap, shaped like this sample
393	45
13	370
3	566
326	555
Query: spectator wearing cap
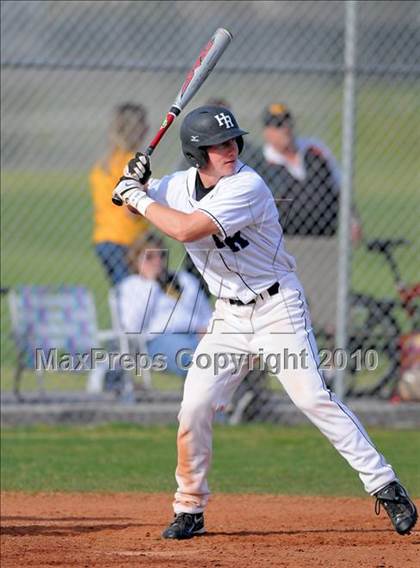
305	179
115	228
302	173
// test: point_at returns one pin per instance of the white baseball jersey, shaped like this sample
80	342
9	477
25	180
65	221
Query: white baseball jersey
248	255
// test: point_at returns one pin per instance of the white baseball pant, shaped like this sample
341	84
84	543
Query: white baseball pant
276	324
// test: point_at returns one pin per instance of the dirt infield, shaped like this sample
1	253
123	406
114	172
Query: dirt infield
95	530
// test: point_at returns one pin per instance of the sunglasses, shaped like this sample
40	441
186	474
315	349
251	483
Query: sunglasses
278	121
150	254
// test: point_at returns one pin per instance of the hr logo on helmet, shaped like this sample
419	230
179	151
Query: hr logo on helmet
224	120
194	138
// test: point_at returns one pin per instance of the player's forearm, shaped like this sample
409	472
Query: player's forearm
169	221
183	227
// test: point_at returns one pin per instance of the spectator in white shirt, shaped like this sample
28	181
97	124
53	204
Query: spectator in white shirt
170	310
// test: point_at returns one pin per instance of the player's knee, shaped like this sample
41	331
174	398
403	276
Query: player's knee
309	402
195	412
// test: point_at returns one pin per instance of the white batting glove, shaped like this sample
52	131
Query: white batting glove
131	192
139	168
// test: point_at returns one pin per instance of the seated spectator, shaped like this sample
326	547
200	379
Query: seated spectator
169	310
115	228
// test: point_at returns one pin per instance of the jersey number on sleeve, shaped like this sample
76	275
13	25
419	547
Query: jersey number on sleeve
236	242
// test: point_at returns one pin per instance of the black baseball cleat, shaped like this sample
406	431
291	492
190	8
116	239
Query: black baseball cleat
400	508
185	525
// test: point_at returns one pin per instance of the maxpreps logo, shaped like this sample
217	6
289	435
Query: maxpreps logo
224	120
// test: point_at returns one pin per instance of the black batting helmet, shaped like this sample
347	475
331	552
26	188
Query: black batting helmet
207	126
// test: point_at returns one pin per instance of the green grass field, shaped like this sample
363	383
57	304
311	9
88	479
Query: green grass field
252	458
55	381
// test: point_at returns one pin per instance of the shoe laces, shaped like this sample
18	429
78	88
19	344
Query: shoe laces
183	520
391	500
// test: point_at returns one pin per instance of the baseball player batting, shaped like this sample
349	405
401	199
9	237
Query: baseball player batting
226	216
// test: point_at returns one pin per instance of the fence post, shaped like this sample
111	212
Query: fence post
347	149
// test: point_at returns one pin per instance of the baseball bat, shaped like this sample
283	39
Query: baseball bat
196	76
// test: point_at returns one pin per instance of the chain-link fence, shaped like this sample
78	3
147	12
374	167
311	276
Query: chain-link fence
66	66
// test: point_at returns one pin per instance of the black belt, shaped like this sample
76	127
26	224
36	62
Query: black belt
274	288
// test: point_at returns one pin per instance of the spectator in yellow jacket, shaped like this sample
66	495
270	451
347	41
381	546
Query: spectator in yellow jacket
115	228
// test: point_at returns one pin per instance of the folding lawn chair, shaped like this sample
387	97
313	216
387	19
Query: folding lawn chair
48	321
